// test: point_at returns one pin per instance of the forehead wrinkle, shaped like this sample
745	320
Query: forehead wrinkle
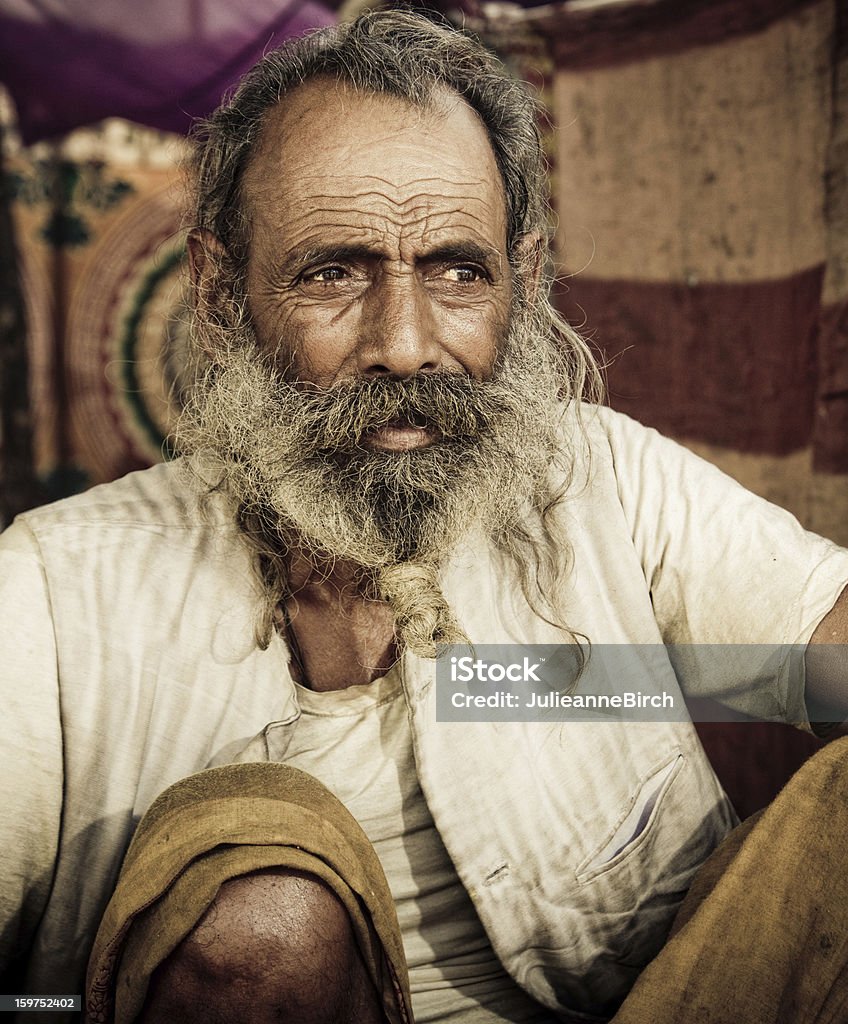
359	202
454	217
422	189
321	178
317	204
310	150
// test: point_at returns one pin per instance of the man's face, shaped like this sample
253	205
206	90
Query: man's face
382	388
378	243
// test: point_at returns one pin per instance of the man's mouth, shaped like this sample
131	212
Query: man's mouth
401	435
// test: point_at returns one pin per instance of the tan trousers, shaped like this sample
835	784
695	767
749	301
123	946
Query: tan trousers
762	937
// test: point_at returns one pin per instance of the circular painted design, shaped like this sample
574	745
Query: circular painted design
126	339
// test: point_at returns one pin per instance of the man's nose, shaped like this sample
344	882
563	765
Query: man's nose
399	331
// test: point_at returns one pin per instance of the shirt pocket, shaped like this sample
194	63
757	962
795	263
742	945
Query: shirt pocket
636	822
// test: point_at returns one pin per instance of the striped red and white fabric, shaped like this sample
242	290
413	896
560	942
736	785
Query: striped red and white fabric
701	185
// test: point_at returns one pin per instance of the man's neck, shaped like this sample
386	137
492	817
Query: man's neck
339	634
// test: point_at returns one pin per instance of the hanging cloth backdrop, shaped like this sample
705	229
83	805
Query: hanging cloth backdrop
700	177
160	63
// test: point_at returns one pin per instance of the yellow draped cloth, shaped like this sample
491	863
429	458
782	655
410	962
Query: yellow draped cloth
220	824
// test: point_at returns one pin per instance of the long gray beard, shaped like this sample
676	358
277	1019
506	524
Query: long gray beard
297	466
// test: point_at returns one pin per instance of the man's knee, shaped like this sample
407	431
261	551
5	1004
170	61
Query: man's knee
274	945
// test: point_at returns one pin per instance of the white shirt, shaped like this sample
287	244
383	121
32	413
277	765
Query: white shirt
127	620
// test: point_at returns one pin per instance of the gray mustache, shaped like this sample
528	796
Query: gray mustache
453	404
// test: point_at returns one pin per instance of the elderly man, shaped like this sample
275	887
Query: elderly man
387	452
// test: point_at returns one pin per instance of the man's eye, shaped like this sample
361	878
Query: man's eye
326	275
465	274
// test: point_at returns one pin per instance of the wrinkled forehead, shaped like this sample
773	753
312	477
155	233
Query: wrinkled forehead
326	142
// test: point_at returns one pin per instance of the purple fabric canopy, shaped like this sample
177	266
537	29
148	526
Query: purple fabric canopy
159	62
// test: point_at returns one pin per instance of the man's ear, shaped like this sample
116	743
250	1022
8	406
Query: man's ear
529	262
211	271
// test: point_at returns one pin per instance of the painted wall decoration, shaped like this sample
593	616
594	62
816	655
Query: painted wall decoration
99	224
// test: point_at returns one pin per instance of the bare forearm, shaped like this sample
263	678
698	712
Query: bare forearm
826	663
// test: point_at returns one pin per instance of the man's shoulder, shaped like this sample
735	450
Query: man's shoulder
164	496
608	459
602	425
146	531
596	440
621	444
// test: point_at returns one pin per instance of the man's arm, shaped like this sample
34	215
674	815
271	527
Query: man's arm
31	767
826	665
728	571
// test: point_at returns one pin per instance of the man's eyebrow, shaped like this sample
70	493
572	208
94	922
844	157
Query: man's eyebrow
458	252
306	255
452	252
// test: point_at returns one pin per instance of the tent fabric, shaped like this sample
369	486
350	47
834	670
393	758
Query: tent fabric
699	177
160	63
